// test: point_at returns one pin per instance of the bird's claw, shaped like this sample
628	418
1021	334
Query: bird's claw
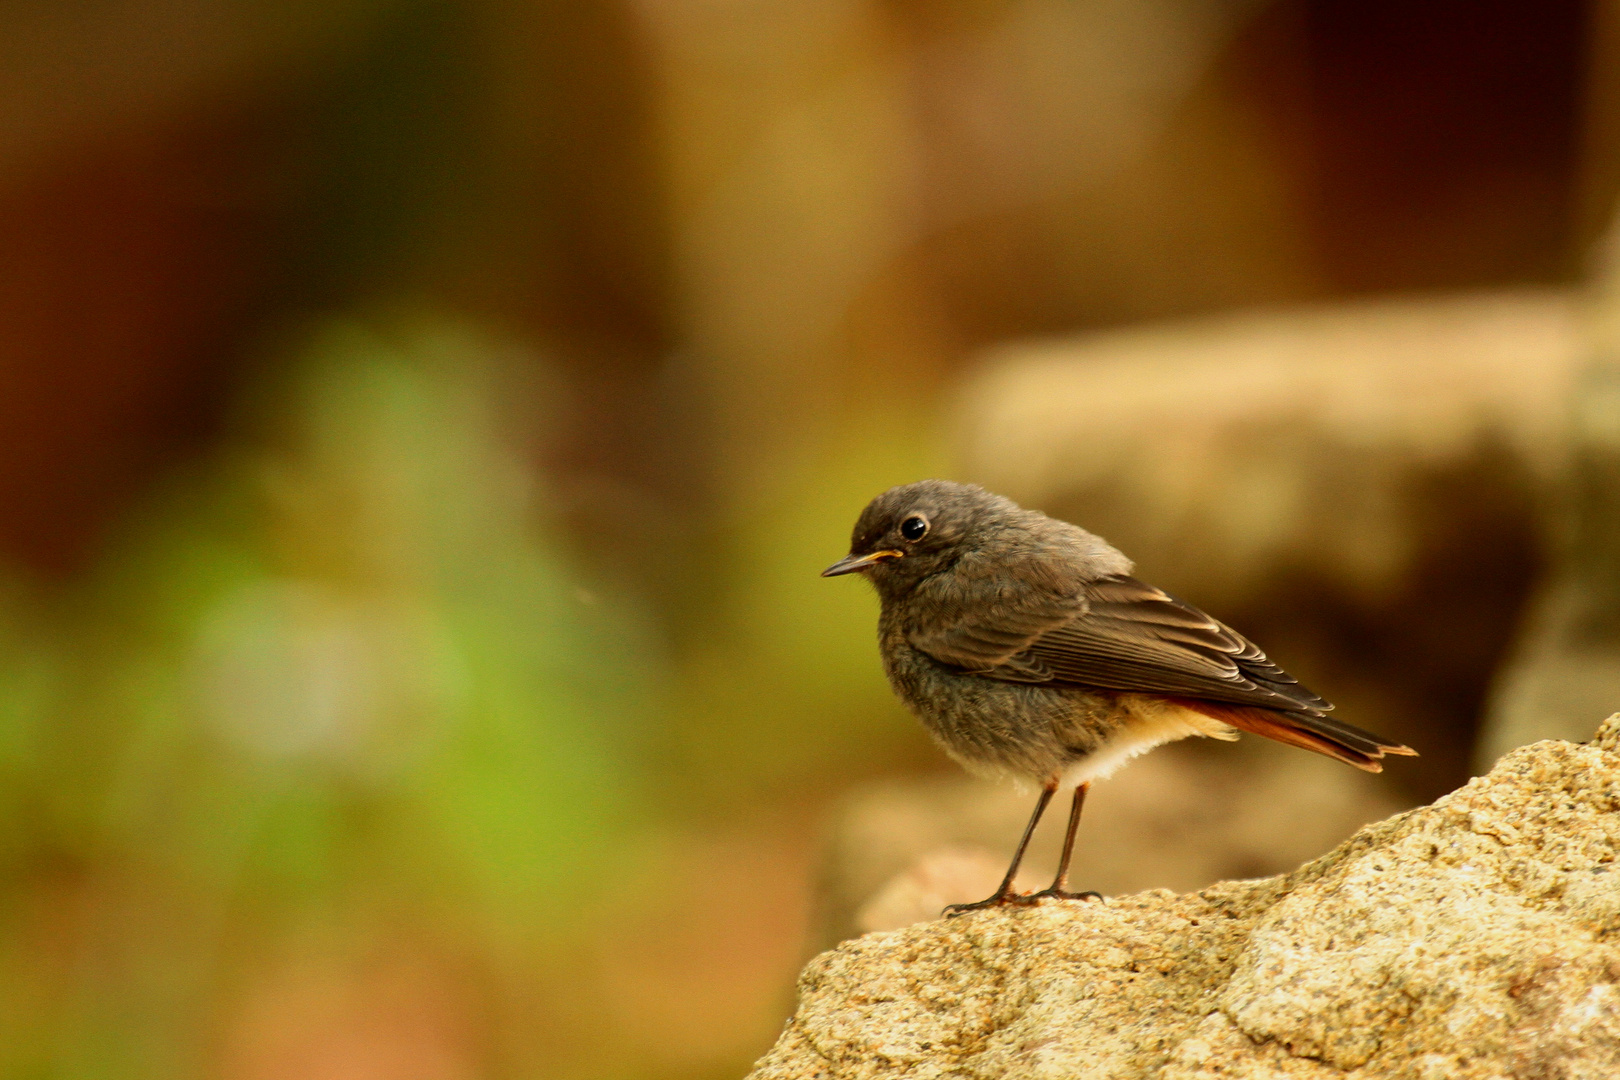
1000	899
1012	899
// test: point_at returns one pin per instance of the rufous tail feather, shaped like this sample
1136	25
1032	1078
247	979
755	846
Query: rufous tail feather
1337	740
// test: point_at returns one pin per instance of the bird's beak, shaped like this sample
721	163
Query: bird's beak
854	564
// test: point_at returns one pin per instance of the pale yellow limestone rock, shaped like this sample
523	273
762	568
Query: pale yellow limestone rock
1477	938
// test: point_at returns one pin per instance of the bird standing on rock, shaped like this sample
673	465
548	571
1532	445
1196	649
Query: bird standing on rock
1028	650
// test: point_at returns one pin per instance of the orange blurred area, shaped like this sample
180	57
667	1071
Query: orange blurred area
422	423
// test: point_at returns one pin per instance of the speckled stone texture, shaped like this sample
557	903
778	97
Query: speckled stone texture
1478	937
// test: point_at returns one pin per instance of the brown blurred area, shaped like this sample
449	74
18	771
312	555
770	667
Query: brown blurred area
636	304
180	178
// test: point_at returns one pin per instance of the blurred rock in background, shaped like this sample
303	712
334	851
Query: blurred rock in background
1566	666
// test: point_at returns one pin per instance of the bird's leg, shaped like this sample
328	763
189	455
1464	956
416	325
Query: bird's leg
1005	894
1060	884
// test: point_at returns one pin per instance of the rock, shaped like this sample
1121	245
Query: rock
1477	937
1222	448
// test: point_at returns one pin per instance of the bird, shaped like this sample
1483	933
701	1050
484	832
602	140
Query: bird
1029	651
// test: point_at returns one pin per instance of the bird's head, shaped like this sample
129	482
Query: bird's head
915	530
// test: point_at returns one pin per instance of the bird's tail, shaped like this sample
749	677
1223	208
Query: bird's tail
1338	740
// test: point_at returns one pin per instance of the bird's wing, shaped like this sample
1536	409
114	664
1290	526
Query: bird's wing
1137	637
1120	634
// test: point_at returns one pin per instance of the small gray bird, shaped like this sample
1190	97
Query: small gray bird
1029	651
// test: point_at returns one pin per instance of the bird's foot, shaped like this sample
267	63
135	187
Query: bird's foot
1000	899
1012	899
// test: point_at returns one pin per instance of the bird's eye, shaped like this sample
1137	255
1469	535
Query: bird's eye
914	527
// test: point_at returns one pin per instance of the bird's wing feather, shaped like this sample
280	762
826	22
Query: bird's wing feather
988	639
1119	634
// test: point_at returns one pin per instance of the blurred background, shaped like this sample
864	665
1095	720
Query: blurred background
422	423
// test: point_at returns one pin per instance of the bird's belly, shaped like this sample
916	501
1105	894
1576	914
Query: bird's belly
1038	732
1152	721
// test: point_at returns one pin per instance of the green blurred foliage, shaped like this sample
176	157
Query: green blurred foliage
345	667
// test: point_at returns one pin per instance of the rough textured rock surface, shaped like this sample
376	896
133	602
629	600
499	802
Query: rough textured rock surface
1478	937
